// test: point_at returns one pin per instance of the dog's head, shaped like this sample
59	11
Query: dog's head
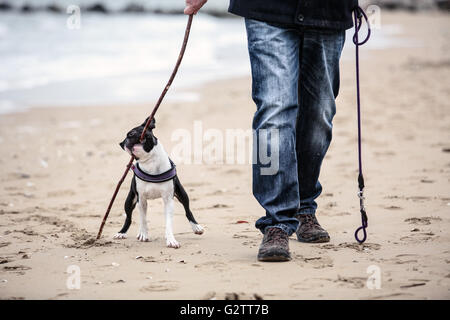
133	145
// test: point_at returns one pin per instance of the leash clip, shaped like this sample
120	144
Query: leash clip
361	200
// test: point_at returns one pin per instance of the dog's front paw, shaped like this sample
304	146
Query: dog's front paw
198	229
172	243
120	236
142	236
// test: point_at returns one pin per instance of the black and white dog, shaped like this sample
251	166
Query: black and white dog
154	177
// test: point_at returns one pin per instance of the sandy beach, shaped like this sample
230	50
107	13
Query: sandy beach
59	168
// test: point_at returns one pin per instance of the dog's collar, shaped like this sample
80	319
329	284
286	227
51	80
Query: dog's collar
155	178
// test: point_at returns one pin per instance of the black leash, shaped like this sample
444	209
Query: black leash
358	14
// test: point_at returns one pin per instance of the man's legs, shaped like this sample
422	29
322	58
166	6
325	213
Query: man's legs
295	83
274	53
318	89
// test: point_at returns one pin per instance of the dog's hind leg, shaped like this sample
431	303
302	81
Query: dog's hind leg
182	196
130	204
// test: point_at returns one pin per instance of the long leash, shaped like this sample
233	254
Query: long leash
358	14
150	118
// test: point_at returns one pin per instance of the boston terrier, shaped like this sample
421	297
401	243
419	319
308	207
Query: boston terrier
154	177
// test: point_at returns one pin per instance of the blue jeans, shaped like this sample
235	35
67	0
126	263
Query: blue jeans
295	77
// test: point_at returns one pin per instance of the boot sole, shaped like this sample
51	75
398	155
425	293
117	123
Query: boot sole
320	239
274	259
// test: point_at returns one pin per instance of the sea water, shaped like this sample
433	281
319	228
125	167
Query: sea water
120	58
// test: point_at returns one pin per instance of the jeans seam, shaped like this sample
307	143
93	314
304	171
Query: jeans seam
306	211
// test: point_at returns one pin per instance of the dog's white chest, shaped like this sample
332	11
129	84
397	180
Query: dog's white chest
150	190
156	162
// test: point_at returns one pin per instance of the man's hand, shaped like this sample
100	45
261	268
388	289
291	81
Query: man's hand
192	6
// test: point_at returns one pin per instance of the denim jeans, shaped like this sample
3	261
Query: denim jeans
295	81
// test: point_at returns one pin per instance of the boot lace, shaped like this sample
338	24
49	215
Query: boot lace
309	221
276	236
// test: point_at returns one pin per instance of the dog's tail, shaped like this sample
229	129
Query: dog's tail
182	196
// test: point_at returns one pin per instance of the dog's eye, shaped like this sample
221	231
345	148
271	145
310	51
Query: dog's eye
131	134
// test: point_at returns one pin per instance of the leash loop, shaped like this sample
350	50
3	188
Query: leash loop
358	15
363	219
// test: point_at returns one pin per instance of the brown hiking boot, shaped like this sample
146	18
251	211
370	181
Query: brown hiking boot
310	230
274	246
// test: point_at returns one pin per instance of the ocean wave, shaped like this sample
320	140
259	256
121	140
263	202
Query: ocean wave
112	59
214	7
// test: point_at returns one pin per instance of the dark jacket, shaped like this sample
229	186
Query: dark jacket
331	14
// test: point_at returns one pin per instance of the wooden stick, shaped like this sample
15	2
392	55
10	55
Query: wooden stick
114	197
149	120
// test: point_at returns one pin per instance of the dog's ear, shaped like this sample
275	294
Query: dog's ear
150	141
150	136
152	124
